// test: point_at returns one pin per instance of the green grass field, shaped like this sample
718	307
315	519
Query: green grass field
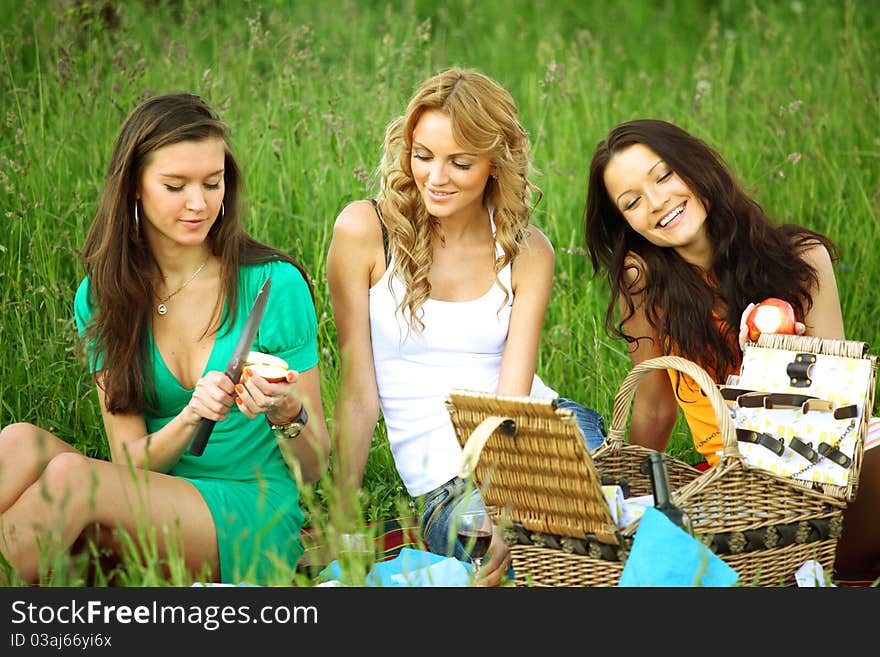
788	92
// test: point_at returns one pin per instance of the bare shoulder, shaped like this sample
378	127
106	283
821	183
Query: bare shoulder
356	251
816	255
534	264
824	316
537	244
358	222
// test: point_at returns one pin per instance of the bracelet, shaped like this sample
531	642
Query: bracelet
291	429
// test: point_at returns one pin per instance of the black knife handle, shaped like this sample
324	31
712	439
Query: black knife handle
200	439
203	431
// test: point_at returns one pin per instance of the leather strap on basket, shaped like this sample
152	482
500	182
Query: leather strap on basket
834	455
765	440
799	370
625	394
470	455
804	449
773	400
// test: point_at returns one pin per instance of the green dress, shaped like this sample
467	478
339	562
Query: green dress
241	474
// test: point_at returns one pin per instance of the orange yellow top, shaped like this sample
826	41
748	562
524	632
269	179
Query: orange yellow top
698	412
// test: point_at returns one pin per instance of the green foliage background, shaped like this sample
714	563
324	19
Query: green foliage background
787	91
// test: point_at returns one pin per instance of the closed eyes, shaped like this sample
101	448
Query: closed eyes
172	188
635	201
464	166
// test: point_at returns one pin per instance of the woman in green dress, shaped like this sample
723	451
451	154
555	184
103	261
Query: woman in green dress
170	278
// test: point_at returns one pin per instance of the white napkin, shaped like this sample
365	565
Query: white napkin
634	507
625	511
811	574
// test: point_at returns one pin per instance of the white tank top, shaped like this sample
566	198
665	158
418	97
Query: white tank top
460	347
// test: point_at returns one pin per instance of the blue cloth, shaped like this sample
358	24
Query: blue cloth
663	554
409	568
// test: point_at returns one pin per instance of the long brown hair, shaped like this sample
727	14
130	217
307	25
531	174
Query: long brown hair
752	258
484	120
118	261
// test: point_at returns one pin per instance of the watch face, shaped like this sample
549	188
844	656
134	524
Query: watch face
294	430
302	418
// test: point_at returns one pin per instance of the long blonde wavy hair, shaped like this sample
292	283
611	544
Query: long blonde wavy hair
484	120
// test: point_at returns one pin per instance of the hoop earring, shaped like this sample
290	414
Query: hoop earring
222	212
137	221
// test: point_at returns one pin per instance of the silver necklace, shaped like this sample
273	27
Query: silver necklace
162	308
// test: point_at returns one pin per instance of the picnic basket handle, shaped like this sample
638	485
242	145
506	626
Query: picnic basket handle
470	454
626	393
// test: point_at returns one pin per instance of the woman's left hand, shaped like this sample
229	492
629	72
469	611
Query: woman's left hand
278	401
799	327
744	328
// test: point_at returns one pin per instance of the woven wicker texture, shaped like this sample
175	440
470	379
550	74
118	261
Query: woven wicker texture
542	478
543	471
540	566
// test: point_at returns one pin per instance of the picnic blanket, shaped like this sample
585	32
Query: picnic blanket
391	536
409	568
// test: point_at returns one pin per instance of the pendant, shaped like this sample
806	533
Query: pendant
161	309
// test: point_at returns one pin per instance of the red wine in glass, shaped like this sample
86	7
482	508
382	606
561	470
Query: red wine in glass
475	541
475	533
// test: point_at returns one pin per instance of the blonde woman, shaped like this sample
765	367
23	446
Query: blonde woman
440	283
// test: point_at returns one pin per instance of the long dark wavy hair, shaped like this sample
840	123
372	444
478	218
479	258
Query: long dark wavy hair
119	263
753	259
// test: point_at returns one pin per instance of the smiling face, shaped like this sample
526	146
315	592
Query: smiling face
181	190
450	178
656	202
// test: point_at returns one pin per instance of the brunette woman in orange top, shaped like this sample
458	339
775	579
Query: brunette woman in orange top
687	252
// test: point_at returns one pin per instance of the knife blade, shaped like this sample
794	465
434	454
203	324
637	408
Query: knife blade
236	362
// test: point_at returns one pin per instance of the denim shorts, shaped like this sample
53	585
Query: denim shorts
592	424
440	507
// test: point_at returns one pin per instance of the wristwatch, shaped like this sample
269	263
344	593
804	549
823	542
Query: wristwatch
291	429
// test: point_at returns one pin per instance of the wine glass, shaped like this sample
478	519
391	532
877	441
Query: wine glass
356	556
475	534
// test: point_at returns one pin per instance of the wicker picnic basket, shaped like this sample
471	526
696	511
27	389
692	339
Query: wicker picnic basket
531	464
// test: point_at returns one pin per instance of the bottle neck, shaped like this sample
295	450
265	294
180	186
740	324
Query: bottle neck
660	480
655	463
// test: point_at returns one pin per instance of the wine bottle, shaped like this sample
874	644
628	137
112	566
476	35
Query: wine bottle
655	465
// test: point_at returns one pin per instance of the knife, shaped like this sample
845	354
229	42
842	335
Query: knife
236	363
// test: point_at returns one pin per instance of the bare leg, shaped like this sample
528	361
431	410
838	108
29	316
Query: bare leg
75	491
25	450
858	550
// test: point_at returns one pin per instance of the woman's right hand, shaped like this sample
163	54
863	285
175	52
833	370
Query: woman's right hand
212	398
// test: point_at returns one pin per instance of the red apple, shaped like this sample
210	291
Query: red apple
770	316
271	368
